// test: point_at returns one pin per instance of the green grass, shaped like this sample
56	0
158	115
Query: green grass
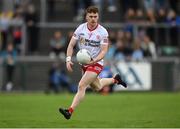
116	110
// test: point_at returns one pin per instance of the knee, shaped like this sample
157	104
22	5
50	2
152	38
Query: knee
97	89
81	87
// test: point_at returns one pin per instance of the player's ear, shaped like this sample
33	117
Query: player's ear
86	17
98	16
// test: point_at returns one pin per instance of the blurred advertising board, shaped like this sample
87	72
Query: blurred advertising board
137	75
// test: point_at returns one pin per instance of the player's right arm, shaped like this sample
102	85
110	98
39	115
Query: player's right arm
70	48
69	54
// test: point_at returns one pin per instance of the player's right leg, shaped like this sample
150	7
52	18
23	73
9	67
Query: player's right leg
86	79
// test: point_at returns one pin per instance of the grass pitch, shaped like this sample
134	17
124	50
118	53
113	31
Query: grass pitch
117	110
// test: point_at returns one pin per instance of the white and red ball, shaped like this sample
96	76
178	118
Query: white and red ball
83	56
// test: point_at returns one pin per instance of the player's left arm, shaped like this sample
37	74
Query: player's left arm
104	49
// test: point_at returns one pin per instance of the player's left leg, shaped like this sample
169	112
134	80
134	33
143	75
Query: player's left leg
98	84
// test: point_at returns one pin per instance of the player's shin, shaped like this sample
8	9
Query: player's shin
78	97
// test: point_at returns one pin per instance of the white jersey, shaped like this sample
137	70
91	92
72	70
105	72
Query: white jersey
91	39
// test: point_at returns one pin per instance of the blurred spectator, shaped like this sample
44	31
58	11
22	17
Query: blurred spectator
112	41
119	52
161	4
17	37
148	47
151	19
119	46
137	54
174	4
141	34
112	37
140	17
79	6
128	41
155	5
0	41
111	51
59	80
5	19
9	58
161	19
172	20
161	15
120	35
68	38
69	35
171	17
130	16
128	4
178	20
57	45
32	30
18	16
111	5
148	4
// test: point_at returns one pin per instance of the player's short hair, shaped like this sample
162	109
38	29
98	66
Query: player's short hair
92	9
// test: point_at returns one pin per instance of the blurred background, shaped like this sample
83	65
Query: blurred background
144	37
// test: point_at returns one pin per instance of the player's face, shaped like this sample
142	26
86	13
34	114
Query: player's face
92	18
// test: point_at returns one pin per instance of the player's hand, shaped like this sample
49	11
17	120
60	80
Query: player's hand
69	66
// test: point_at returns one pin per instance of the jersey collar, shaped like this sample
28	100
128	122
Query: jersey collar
92	29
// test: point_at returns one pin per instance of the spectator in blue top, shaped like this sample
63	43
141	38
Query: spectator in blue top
58	80
137	54
9	61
